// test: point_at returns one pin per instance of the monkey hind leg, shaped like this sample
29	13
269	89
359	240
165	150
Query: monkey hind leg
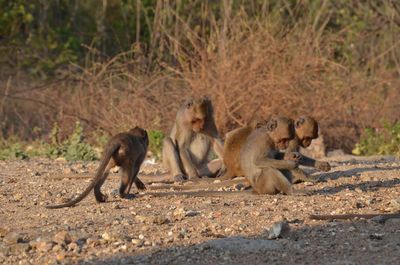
211	169
139	184
128	177
226	174
272	181
171	160
100	197
298	175
125	181
134	178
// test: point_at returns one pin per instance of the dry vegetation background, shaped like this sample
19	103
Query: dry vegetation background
336	60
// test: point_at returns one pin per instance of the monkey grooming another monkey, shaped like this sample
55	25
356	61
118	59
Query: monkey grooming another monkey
126	150
266	174
306	129
234	140
186	152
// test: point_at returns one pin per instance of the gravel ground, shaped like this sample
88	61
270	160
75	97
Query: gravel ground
175	227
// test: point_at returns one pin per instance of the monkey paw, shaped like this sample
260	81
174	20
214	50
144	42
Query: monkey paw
221	172
127	196
293	156
323	166
101	198
140	185
180	178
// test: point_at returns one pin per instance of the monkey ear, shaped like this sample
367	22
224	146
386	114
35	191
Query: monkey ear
206	98
261	124
189	103
299	122
272	124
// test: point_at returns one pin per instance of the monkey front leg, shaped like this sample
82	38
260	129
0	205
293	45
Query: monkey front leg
171	159
306	161
299	175
187	163
274	163
218	147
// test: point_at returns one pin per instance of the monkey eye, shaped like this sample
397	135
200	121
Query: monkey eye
196	120
189	104
284	140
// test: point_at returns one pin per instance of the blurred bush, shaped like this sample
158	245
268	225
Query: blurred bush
383	141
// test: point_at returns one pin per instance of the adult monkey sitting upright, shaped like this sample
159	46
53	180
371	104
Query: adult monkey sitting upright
186	152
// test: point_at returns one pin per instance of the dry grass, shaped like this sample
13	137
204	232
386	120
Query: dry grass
248	70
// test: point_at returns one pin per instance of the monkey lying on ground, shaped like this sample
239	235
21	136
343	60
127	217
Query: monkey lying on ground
266	174
187	150
306	130
126	150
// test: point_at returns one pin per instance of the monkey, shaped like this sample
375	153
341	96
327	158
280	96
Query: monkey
234	140
187	149
126	150
266	174
384	216
306	129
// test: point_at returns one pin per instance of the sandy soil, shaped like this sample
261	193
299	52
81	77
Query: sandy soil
224	226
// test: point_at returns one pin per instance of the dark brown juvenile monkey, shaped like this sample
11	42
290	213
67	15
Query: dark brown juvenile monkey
306	130
186	152
266	174
126	150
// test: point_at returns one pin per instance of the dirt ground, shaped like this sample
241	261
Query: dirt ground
171	226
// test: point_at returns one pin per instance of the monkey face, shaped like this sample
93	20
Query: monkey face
197	125
306	130
282	143
281	130
305	142
196	113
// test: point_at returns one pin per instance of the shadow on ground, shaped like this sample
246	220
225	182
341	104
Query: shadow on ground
351	172
344	243
364	186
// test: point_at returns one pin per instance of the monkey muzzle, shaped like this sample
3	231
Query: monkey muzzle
197	124
305	142
283	144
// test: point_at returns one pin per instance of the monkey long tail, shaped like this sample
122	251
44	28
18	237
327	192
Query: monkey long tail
99	174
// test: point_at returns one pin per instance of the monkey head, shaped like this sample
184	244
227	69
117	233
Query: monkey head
196	112
306	130
281	131
140	132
